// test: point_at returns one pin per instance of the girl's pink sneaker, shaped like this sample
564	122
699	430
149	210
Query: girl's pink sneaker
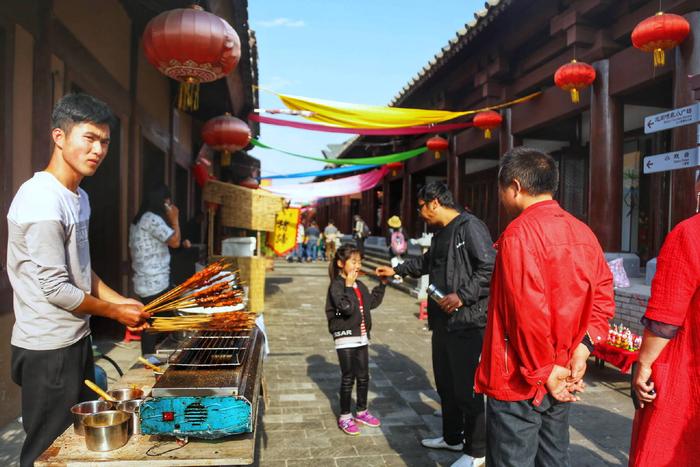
348	426
367	418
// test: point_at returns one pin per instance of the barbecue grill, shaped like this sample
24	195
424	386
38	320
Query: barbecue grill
210	388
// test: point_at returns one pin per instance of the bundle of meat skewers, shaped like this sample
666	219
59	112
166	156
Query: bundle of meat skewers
214	286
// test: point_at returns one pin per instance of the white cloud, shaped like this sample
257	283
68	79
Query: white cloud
283	22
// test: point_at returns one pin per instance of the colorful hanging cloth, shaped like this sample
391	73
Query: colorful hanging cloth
348	115
411	130
377	160
322	173
340	187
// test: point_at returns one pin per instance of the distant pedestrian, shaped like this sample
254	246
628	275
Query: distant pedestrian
551	298
666	430
330	234
298	254
396	238
348	305
313	234
360	232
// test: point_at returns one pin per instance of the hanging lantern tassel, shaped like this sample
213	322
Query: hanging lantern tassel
659	58
225	158
188	95
575	97
487	133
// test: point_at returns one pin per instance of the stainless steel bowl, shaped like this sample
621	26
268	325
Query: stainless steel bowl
106	431
126	394
132	407
83	409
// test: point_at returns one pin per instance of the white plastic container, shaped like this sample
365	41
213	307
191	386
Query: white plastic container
238	246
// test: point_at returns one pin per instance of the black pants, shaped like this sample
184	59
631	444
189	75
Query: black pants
149	340
455	357
52	382
522	435
354	365
360	243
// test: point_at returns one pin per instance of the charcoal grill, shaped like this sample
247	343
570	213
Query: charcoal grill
210	388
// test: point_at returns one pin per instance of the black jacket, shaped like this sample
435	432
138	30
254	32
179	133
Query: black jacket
343	308
469	266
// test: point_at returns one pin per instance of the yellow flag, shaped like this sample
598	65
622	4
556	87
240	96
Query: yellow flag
284	238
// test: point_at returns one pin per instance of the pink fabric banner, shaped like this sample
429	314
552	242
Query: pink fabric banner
328	189
409	130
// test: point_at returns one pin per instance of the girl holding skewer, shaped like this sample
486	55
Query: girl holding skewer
348	305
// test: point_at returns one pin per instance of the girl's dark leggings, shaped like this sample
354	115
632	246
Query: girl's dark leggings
354	363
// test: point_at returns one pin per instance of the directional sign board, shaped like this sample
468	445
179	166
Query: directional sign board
682	159
672	119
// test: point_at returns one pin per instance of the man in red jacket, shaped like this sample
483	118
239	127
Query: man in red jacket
551	299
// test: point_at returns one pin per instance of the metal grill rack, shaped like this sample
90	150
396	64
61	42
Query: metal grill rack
211	349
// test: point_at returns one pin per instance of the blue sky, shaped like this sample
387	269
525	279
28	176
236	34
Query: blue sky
354	51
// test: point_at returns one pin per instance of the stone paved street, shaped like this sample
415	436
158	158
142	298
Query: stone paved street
298	427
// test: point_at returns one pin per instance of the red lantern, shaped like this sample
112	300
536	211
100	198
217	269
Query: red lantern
487	121
437	144
227	134
659	32
200	174
574	76
394	167
192	46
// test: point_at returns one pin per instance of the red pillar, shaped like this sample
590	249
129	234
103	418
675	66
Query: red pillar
605	173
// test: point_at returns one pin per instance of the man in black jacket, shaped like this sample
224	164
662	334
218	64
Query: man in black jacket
460	261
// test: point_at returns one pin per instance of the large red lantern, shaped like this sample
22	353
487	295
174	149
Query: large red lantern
226	134
487	121
437	144
574	76
659	32
192	46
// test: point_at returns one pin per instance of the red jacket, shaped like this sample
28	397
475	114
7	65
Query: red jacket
550	286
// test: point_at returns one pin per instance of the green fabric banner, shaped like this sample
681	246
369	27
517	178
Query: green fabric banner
377	160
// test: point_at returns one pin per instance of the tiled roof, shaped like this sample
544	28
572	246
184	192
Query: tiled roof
481	18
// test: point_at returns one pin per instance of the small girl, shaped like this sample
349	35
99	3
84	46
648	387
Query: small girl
348	305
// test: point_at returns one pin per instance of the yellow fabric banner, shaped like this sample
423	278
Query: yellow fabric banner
284	238
348	115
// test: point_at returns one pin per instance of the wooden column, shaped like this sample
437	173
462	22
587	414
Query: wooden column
407	207
687	62
605	173
506	142
42	89
453	172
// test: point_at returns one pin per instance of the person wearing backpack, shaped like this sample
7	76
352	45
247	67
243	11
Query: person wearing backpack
396	238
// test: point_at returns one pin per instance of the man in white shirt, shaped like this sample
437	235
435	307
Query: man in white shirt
55	289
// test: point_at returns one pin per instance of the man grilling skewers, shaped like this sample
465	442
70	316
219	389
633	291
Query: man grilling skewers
55	289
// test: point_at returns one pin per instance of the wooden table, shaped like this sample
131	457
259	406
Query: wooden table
69	449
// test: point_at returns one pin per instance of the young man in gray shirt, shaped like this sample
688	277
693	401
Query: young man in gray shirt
55	288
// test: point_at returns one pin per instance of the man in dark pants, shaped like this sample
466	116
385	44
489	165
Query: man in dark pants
55	289
551	299
459	261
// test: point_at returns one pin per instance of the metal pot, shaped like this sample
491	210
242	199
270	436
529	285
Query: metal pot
106	431
132	407
126	394
82	410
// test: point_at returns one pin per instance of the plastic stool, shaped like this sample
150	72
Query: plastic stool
130	335
423	311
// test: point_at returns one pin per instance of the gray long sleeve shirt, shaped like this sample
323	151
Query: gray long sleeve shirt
48	263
